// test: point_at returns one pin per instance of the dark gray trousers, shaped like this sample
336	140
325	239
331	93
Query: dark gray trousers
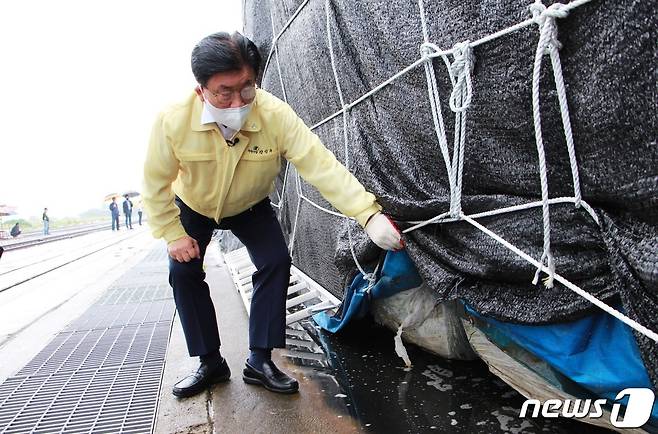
259	230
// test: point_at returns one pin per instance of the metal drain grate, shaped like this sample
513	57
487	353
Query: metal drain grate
118	399
94	349
136	292
99	316
103	372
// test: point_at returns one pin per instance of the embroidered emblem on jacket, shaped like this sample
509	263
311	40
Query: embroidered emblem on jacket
256	150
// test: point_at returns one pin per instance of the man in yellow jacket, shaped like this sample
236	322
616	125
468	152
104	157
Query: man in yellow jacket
211	164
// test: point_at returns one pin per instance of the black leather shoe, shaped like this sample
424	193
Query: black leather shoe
204	376
270	377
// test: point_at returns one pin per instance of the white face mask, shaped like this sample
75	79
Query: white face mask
233	118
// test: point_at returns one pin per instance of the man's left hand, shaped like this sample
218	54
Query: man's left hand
184	249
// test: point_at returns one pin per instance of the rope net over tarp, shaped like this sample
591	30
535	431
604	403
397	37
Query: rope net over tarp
531	129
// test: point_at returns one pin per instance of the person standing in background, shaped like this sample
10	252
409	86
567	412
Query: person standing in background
114	210
128	212
140	211
15	231
46	222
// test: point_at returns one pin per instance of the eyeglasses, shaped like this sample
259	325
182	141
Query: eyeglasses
247	94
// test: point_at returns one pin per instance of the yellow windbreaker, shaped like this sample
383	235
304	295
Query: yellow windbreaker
192	160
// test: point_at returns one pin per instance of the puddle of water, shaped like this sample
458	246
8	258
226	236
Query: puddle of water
360	376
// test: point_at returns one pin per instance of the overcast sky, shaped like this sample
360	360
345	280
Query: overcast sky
80	85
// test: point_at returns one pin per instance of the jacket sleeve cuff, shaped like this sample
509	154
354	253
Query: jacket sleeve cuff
364	215
174	232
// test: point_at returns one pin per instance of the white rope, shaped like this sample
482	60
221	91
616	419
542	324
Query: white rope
283	29
458	153
430	52
460	99
567	7
327	4
367	95
445	217
459	72
566	122
564	111
328	211
281	195
423	22
460	76
437	115
459	102
278	67
544	36
368	276
298	188
294	227
541	14
441	218
549	44
276	56
623	318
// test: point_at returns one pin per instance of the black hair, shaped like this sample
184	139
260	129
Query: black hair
223	52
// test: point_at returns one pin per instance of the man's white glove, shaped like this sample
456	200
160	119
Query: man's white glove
383	232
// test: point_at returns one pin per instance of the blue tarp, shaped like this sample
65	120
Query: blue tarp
597	352
398	273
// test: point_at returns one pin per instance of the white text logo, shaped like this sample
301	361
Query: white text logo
638	408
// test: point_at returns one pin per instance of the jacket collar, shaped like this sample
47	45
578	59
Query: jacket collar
200	120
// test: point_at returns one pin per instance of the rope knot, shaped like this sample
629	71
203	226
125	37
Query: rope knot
372	280
427	50
549	280
463	54
545	19
540	12
460	73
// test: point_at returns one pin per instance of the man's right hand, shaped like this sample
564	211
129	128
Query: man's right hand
184	249
383	232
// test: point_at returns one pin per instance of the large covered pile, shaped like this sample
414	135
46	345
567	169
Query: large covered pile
609	59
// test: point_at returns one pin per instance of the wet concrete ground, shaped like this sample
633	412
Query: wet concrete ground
435	395
349	383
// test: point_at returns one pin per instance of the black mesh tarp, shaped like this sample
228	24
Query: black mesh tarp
609	59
